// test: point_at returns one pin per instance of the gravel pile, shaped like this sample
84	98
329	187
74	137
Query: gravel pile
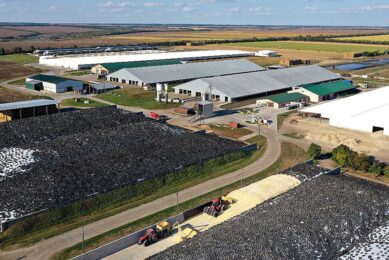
109	152
320	219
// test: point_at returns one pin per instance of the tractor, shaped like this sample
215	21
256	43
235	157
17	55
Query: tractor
162	230
218	206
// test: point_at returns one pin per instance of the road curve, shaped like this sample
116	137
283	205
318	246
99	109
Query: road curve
46	248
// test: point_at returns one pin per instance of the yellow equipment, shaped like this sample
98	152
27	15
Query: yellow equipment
164	229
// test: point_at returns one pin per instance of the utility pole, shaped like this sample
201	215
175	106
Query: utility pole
241	179
83	238
177	202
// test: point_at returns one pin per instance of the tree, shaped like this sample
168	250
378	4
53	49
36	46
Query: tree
386	171
362	162
343	156
377	168
314	151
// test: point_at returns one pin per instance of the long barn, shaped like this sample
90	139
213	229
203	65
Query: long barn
256	84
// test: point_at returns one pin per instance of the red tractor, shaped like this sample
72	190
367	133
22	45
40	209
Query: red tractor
162	229
149	238
218	206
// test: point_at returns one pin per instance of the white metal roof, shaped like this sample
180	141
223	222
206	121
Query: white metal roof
168	73
77	62
359	112
303	75
27	104
248	84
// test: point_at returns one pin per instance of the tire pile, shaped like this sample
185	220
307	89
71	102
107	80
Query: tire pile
305	172
320	219
78	154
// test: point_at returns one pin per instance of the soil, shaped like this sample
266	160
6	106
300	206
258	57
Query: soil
375	144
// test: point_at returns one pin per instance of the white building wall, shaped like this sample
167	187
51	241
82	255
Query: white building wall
312	96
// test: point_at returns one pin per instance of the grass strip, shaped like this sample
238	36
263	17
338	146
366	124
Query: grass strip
135	97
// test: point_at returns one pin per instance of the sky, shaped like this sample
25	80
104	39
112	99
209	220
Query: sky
256	12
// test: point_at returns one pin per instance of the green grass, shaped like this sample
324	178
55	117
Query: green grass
294	135
372	38
290	155
19	82
225	130
80	102
281	118
307	46
78	73
19	58
59	221
135	97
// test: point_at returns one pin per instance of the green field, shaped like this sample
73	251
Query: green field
135	97
80	102
308	46
19	58
373	38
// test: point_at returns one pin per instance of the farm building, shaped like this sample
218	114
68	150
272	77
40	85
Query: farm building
99	88
53	83
88	61
107	68
266	53
150	76
284	100
26	109
318	92
363	112
256	84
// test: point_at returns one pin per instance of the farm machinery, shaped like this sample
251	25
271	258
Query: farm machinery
162	230
218	206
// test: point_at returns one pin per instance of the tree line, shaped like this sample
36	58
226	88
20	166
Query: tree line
345	157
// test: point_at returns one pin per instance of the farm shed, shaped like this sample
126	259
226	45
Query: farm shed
99	88
284	99
256	84
150	76
363	112
318	92
26	109
106	68
88	61
53	83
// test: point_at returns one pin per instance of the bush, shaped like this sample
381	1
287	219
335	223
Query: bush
386	171
377	168
314	151
343	156
362	162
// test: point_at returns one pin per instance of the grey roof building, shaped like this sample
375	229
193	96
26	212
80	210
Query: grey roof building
182	72
234	87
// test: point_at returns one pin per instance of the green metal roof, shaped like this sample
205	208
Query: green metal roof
286	97
112	67
323	89
49	78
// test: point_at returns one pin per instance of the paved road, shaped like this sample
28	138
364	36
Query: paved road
46	248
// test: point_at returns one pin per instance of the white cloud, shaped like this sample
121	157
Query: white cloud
152	4
260	10
234	9
115	6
